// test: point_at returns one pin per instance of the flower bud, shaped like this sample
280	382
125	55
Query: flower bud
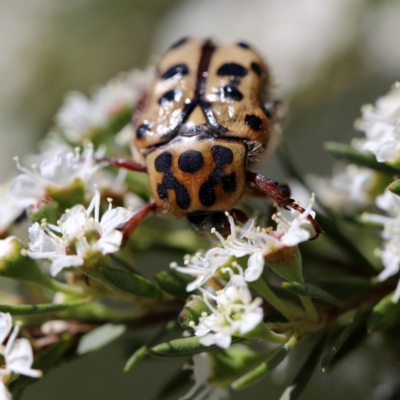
15	265
286	262
192	311
45	209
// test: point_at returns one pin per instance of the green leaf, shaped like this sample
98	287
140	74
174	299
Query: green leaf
384	315
182	347
141	352
355	323
99	338
130	283
349	153
305	373
394	187
173	283
265	368
27	309
347	281
310	291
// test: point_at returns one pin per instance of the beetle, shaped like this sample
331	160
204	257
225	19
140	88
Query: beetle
205	119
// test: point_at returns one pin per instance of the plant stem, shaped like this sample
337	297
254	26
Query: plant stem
310	308
290	311
57	286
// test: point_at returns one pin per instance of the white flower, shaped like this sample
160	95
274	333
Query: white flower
233	313
60	170
79	230
17	353
81	117
293	228
202	389
381	125
347	190
9	210
203	268
390	254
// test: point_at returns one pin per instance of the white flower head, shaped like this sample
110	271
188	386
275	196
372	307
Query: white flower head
381	125
9	210
233	312
81	117
203	267
60	170
17	353
77	234
202	389
347	190
292	228
390	252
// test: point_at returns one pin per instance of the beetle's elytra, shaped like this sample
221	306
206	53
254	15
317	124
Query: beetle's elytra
204	120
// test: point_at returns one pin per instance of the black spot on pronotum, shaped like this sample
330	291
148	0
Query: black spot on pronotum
231	92
232	69
243	45
190	161
179	43
168	96
142	131
254	122
163	163
221	156
178	69
256	67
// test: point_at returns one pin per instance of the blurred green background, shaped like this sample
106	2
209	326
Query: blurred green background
327	57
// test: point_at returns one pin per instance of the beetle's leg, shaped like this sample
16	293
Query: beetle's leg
273	190
123	163
139	214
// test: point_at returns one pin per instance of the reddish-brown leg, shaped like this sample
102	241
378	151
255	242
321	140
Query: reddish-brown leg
139	214
273	190
123	163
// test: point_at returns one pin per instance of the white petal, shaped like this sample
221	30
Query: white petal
26	190
20	358
64	262
255	267
5	326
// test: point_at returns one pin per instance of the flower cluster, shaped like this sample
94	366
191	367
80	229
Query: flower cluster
17	354
233	311
390	253
82	118
381	125
78	236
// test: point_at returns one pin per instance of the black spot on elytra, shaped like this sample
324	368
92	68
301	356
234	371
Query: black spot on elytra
254	122
243	45
256	67
179	43
142	131
190	161
168	96
231	92
222	156
178	69
163	163
232	69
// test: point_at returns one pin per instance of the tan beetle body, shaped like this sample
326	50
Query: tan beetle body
202	122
